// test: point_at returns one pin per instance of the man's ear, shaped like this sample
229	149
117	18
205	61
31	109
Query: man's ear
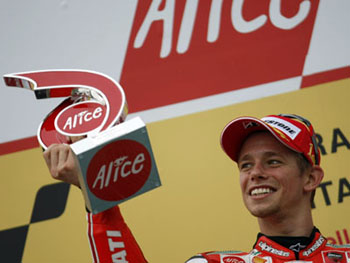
314	178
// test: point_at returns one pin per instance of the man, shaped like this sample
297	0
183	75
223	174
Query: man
278	161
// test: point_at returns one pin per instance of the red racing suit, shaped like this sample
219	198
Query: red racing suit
267	251
111	241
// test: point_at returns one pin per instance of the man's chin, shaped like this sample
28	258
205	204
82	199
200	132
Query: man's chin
261	208
261	212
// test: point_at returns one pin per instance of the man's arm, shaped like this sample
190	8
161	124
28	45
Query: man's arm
110	238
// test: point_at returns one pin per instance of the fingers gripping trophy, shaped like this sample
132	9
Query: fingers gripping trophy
87	131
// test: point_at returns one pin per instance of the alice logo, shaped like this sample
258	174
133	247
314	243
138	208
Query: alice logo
119	170
80	118
191	12
120	167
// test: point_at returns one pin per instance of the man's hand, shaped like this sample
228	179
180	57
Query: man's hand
61	163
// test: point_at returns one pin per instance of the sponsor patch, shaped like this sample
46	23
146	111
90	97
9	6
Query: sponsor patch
259	260
270	249
232	259
286	127
334	256
312	249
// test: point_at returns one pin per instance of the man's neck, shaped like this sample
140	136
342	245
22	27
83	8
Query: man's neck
286	226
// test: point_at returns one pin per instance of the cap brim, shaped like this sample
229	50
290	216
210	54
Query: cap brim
236	131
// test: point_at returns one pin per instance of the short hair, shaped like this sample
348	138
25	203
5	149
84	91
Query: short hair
304	165
302	162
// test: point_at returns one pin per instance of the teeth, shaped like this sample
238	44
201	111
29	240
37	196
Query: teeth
259	191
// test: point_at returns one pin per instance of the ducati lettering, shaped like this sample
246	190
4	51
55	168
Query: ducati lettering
114	246
270	249
317	244
165	12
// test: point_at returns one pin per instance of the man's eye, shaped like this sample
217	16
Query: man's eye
273	162
245	166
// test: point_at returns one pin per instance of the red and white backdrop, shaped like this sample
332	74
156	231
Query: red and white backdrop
187	68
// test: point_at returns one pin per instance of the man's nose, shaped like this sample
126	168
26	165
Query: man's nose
257	172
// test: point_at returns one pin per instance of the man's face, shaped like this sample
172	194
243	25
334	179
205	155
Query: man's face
270	179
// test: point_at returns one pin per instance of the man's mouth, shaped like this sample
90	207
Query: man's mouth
261	191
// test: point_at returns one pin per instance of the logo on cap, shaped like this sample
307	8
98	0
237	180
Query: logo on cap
287	128
250	124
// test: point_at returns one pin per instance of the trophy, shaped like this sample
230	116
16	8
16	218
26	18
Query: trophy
115	156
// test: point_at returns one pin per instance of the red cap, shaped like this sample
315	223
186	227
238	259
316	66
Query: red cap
293	131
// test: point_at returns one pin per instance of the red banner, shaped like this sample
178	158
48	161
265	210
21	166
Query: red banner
182	50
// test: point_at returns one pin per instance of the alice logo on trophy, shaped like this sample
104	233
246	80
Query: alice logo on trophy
80	118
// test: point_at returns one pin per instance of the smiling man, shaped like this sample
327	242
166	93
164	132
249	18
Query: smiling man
279	165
